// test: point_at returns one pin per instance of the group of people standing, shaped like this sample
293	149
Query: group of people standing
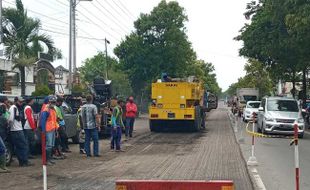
21	127
89	120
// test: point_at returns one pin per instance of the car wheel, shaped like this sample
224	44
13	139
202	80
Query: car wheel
263	129
301	135
259	130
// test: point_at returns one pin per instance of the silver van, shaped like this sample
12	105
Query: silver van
277	115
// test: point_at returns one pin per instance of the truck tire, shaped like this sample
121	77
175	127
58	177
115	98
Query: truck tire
197	122
151	126
203	121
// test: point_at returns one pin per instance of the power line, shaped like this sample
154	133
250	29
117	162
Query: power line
115	19
111	35
124	10
116	10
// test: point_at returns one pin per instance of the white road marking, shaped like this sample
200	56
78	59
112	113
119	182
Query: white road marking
258	181
147	147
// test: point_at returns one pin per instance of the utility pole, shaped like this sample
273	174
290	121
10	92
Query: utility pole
70	46
1	31
106	58
74	37
72	41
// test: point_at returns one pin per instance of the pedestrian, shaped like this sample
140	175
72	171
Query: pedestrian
17	134
3	135
117	125
30	127
80	129
131	112
91	125
49	125
62	126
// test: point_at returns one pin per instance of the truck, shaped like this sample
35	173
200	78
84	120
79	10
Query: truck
179	103
244	95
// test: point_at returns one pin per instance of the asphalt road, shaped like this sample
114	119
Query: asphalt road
210	154
275	157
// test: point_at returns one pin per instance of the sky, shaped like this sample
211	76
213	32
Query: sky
211	28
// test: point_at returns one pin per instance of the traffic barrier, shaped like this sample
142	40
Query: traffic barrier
296	155
173	185
252	159
256	134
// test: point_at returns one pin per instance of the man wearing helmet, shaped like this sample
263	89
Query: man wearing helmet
49	125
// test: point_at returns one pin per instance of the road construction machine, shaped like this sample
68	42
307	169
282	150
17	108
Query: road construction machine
178	103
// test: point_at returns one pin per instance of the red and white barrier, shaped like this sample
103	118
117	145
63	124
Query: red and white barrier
252	160
43	144
296	155
173	185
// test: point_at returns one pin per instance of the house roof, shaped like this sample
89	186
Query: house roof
61	68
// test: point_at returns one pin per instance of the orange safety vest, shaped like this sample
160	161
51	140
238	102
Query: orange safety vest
51	123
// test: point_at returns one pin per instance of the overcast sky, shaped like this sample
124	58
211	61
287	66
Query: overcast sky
211	28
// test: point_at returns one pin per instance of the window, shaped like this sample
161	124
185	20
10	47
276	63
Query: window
282	105
253	105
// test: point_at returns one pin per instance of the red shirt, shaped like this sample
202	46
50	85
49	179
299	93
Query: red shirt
131	109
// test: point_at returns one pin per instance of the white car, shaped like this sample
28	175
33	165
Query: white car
250	108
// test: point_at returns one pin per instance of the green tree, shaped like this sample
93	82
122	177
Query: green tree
278	37
205	72
96	66
158	44
256	77
22	39
42	90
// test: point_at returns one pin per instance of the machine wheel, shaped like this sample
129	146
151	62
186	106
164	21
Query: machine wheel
75	138
8	153
197	121
301	135
151	126
263	129
203	121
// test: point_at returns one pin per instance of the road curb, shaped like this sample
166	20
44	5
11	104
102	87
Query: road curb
256	180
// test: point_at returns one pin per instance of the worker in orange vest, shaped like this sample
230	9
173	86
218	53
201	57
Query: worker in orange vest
49	125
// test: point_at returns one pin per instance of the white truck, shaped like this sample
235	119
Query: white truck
244	95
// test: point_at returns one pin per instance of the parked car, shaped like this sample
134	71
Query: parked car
250	108
69	117
277	115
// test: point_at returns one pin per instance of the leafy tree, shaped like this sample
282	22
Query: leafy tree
205	72
256	77
278	37
96	66
158	44
42	90
22	39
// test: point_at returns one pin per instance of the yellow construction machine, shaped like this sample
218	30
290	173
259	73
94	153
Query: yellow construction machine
178	104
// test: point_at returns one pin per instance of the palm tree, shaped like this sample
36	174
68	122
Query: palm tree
22	39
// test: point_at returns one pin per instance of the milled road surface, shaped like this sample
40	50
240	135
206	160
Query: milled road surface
275	157
211	154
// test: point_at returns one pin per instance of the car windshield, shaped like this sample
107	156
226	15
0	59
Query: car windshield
253	105
282	105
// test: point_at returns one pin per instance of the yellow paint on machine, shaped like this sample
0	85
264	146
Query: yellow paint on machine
175	100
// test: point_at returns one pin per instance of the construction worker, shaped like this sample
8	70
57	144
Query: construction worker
91	125
3	133
131	112
80	129
62	126
29	127
17	134
48	123
117	125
